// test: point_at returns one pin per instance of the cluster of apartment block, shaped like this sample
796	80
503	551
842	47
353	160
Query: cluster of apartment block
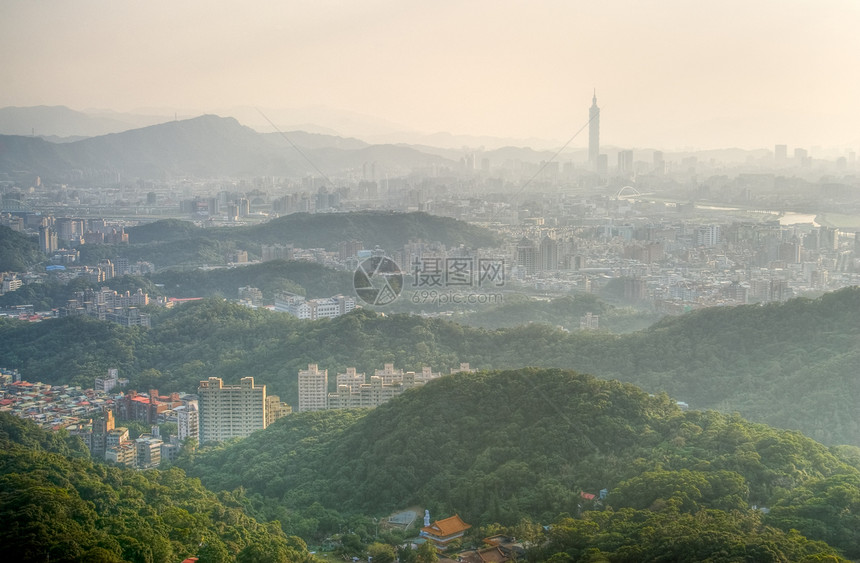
110	442
355	391
92	415
107	304
218	412
52	407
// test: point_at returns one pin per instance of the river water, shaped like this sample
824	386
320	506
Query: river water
787	218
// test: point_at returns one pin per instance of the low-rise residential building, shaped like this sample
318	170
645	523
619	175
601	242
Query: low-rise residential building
147	451
313	309
276	409
188	421
106	384
170	449
122	454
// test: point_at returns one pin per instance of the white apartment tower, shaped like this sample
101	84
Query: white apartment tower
389	375
228	411
313	389
351	379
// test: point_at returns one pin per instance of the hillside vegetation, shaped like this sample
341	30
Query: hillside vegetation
18	252
57	505
53	293
791	365
564	312
304	278
506	446
175	243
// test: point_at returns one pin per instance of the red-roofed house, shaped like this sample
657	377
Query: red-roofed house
442	532
484	555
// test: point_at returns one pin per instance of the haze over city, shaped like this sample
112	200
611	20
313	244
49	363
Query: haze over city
429	282
668	75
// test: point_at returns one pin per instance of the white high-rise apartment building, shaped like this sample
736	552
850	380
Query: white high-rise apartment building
313	389
228	411
351	379
389	375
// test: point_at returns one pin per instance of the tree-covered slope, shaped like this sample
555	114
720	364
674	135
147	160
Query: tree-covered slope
18	252
386	229
53	293
565	312
324	230
790	365
306	278
173	243
163	230
57	505
502	446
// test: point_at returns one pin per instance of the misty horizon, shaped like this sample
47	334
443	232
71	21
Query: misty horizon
256	119
675	75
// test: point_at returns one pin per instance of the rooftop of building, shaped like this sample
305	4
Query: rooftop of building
447	526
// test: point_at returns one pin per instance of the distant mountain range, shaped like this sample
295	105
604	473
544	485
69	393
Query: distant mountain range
205	146
62	144
60	121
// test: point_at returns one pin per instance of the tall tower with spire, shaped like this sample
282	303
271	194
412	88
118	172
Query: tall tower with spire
593	132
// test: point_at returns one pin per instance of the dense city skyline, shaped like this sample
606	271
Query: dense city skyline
672	75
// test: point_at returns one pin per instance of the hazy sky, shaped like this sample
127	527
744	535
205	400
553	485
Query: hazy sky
669	74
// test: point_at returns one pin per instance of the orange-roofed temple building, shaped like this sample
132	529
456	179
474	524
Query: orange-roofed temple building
442	532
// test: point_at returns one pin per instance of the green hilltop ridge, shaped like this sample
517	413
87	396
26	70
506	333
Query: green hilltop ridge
163	230
790	365
57	505
175	243
513	446
305	278
565	311
386	229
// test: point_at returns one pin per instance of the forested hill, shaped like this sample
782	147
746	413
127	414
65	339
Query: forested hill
171	242
384	228
18	252
503	446
791	365
305	278
565	311
57	505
